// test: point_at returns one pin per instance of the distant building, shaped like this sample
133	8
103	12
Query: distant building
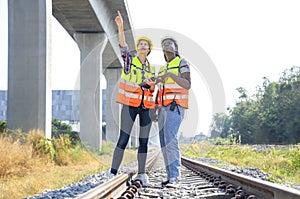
3	105
65	105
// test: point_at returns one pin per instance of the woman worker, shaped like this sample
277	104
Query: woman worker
172	99
137	99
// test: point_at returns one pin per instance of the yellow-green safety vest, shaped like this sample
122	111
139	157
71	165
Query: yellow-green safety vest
169	90
130	92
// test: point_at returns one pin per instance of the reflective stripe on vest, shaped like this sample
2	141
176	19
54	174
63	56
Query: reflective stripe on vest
170	91
130	93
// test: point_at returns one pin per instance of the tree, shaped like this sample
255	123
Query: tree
59	128
220	126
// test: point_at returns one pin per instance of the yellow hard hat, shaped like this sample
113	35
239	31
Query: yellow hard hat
145	39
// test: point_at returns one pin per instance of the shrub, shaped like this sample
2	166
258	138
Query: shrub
15	157
42	147
2	126
59	128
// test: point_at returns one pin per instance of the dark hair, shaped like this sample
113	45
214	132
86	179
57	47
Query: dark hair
176	45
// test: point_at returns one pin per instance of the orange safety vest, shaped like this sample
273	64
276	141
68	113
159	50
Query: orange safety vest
130	92
170	91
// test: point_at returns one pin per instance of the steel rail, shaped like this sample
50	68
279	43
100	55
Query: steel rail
260	188
117	185
107	190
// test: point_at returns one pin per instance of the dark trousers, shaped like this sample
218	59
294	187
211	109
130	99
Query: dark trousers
128	116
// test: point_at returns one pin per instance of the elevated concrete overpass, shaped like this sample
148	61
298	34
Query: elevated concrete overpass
95	17
91	24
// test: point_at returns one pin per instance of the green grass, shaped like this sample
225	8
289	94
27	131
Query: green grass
282	163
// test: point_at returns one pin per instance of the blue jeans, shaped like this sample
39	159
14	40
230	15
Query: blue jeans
169	123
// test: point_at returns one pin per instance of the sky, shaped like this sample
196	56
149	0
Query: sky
244	40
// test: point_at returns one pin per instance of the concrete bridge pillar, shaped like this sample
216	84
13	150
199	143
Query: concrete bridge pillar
29	62
112	76
91	46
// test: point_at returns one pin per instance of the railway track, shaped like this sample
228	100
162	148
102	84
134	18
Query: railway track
198	181
249	185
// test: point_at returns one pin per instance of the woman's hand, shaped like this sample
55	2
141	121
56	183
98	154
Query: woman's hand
154	114
150	82
119	20
164	77
184	80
